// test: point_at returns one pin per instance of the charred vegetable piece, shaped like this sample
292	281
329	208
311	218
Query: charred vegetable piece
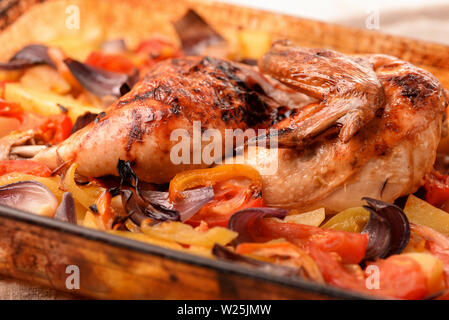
195	34
30	55
388	229
253	226
349	220
189	204
66	210
185	234
208	177
101	82
379	232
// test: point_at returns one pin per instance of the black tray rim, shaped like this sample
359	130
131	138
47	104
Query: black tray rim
146	248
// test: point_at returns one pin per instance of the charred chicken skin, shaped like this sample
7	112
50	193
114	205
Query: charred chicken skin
356	125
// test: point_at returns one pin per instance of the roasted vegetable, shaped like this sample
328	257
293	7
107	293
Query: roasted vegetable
421	212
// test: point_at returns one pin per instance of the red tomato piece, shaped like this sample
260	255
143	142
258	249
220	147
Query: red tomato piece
349	246
437	188
10	109
110	62
24	166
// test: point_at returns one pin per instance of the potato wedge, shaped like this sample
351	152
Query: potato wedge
253	44
350	220
186	234
46	79
432	267
421	212
45	103
311	218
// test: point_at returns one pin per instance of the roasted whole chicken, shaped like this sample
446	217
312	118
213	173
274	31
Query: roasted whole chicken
347	126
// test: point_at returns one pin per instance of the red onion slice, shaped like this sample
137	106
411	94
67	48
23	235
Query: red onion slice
29	56
101	82
138	212
155	204
30	196
66	210
132	208
195	34
190	202
394	222
244	220
379	233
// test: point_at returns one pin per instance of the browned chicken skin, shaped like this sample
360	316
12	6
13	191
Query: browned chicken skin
173	95
386	159
370	128
348	91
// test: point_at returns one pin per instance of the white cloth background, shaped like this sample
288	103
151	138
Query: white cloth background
422	19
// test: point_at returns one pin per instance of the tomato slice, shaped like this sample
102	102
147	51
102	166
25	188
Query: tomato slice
52	129
211	176
24	166
10	109
157	48
349	246
57	128
213	214
401	277
437	188
229	197
110	62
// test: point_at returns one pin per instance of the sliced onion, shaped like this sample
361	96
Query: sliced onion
30	55
386	219
127	175
138	212
223	253
244	220
101	82
190	202
132	208
379	233
155	204
195	34
156	198
66	210
30	196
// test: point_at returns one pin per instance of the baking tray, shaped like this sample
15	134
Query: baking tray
39	249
